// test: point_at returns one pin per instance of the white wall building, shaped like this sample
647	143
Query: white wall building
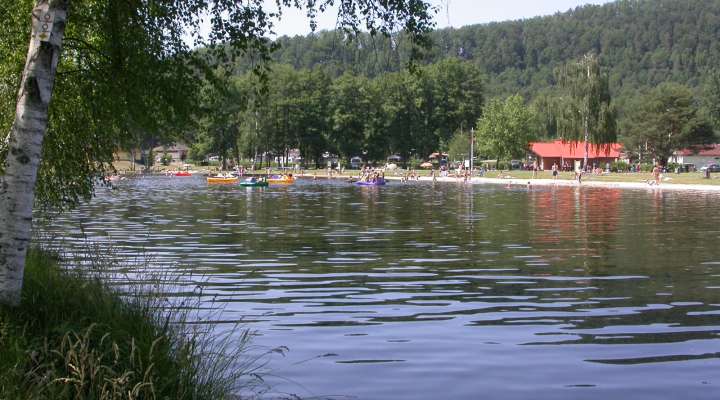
698	156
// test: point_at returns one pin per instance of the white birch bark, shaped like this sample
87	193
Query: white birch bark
17	190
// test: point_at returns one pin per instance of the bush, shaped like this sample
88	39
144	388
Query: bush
671	167
414	162
646	167
619	166
166	159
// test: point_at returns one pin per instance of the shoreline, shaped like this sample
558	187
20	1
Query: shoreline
513	181
548	182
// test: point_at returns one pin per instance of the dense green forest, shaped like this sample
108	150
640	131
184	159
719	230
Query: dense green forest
405	113
330	92
642	42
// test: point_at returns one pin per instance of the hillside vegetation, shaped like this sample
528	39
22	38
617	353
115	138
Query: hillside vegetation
642	42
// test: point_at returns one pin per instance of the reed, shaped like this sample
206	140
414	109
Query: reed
79	334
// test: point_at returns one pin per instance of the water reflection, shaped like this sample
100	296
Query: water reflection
447	290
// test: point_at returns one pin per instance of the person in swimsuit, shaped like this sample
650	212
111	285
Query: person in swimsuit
656	174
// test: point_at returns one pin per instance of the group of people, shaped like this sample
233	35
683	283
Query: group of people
656	172
368	174
254	179
410	175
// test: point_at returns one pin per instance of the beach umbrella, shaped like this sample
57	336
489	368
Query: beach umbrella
426	165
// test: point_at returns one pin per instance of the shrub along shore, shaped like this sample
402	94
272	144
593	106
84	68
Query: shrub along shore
74	337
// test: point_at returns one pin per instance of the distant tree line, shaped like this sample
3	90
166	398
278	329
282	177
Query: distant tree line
410	114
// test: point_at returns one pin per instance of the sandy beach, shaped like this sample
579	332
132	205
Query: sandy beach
573	183
587	182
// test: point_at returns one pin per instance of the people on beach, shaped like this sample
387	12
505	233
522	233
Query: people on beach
656	174
578	175
554	171
372	176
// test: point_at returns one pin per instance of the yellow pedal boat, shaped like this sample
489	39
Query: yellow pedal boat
222	180
281	180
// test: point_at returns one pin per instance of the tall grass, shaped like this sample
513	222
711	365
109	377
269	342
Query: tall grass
78	334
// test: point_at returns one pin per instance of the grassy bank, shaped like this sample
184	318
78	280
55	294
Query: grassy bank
73	337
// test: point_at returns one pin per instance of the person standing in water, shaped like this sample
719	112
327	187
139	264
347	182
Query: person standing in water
579	174
656	174
554	171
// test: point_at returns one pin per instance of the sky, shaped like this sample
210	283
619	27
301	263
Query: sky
455	13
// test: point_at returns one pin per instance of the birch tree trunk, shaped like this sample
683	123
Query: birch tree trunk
17	193
587	148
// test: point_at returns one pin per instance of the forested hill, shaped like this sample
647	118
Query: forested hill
643	42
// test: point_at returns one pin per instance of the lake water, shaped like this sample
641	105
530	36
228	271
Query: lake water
445	291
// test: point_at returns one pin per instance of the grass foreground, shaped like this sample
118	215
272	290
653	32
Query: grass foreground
74	337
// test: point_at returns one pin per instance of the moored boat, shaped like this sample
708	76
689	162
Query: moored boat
222	179
281	179
253	182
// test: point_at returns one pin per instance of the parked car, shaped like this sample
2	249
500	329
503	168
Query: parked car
711	168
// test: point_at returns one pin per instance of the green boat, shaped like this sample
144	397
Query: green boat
254	182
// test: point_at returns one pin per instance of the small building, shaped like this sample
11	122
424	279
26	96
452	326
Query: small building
178	152
570	155
698	156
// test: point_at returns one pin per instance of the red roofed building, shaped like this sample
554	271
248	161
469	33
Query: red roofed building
698	156
569	155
